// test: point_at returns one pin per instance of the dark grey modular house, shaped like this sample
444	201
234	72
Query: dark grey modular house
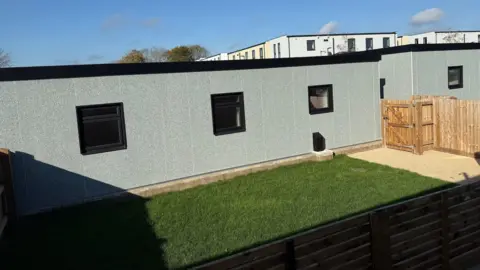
81	132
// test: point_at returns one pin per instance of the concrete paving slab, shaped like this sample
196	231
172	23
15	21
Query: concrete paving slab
445	166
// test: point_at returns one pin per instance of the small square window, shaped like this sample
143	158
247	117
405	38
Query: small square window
228	113
310	45
101	128
369	43
455	77
351	44
386	42
320	99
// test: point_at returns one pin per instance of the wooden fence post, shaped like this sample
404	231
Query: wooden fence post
380	240
418	127
445	233
290	255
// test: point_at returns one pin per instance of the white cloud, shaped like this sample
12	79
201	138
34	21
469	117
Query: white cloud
328	28
152	22
427	16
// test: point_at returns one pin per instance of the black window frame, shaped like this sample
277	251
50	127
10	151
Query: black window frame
261	53
311	42
386	42
119	116
279	51
328	109
425	40
478	38
253	54
274	50
246	55
367	40
460	83
240	104
353	47
416	41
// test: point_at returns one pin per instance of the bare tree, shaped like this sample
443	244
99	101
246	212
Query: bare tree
454	37
155	54
198	52
4	59
342	47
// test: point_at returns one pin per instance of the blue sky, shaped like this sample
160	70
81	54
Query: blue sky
59	32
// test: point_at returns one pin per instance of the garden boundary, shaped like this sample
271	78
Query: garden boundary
440	230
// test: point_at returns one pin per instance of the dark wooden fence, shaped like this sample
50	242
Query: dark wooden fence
7	204
437	231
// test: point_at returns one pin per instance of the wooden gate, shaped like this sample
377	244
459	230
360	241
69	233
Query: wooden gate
408	125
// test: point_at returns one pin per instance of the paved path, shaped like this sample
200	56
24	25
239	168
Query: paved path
435	164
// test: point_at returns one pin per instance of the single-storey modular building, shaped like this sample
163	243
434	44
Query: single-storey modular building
87	131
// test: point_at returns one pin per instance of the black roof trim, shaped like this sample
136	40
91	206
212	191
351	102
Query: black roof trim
456	31
98	70
429	47
344	34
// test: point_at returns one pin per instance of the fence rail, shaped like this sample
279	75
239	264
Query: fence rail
436	231
7	204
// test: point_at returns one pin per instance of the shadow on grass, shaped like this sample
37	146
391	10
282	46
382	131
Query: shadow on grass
110	234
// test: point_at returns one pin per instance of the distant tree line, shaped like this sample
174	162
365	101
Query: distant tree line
155	54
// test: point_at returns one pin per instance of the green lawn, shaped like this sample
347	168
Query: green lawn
182	228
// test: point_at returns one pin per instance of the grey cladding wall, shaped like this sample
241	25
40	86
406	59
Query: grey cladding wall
430	76
426	73
169	126
396	69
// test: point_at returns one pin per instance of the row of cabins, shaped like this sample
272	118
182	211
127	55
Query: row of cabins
82	132
323	45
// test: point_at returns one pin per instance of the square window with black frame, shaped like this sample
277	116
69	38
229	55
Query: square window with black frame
101	128
320	99
455	77
386	42
228	113
425	40
369	43
416	41
310	45
351	44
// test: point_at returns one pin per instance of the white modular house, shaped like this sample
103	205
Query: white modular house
216	57
443	37
323	45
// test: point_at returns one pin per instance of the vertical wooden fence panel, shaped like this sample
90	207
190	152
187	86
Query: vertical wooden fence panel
458	128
